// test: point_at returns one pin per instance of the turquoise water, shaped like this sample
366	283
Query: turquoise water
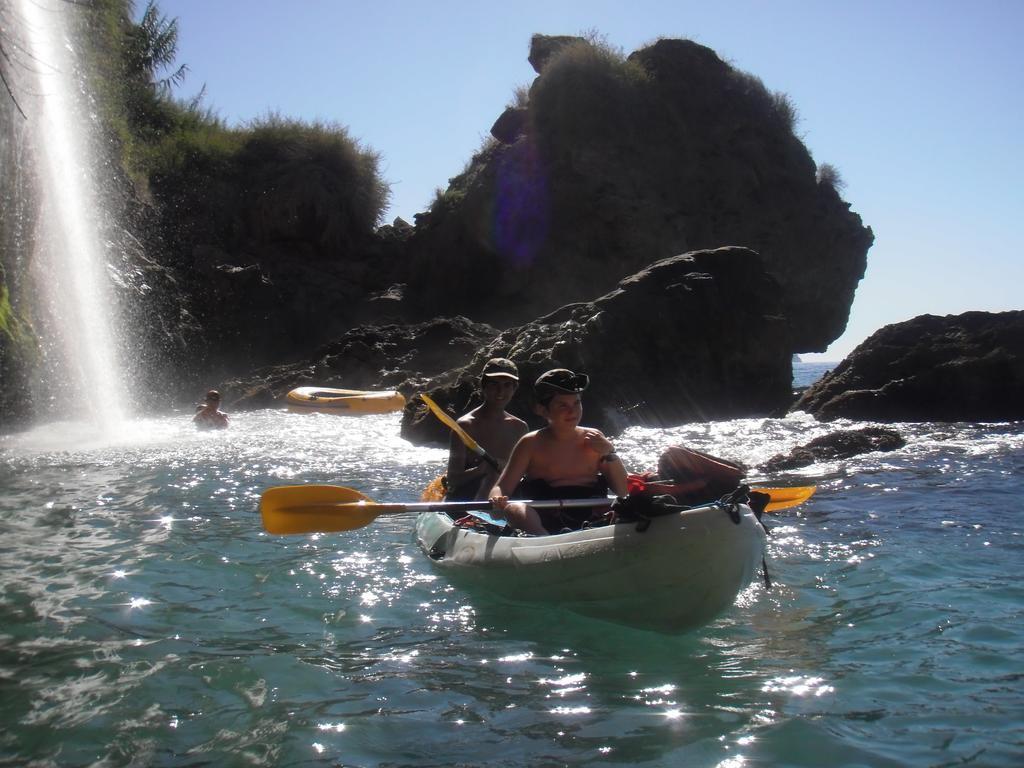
145	618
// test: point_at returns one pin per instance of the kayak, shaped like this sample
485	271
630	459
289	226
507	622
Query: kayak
682	571
345	401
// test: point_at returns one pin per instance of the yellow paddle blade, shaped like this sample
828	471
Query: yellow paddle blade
784	498
448	421
453	425
289	509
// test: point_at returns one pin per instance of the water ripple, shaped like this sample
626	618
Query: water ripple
145	618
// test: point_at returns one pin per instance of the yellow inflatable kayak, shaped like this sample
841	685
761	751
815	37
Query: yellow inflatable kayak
353	402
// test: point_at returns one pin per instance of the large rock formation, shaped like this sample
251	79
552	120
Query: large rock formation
967	367
241	261
268	257
692	337
368	357
611	162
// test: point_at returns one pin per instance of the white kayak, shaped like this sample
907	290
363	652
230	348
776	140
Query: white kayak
681	572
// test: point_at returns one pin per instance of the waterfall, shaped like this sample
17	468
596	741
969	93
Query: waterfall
73	262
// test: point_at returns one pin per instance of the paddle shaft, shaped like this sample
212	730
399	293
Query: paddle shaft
782	497
330	508
465	506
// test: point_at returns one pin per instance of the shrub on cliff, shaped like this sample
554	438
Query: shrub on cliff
191	173
275	179
310	181
588	90
829	176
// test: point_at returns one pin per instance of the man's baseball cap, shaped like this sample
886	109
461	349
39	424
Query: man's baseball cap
500	367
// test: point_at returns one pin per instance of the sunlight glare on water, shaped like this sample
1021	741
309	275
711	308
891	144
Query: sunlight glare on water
146	616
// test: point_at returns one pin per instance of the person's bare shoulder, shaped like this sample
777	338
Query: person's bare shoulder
530	437
467	419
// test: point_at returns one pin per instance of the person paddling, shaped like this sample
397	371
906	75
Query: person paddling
209	415
559	461
496	430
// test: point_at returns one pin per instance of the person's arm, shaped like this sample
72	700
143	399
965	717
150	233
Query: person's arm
513	472
516	513
614	471
457	472
608	464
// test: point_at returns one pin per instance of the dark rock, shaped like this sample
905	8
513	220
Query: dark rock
168	342
690	338
394	292
367	357
838	445
543	47
240	304
620	162
613	164
967	367
511	125
395	232
282	301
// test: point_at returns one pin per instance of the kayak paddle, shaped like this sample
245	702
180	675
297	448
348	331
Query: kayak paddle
290	509
784	498
464	436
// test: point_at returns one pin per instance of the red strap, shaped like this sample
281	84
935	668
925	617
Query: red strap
636	483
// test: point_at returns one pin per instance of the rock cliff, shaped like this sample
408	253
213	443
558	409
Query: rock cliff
967	367
607	164
610	162
372	357
693	337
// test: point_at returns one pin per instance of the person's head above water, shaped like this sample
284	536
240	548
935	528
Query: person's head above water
559	381
213	396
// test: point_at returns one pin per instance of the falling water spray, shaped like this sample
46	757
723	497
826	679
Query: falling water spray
81	376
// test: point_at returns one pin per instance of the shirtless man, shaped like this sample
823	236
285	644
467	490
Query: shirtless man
209	415
496	430
561	460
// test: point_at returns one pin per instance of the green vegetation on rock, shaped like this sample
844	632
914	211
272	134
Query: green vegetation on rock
11	325
17	351
272	179
275	180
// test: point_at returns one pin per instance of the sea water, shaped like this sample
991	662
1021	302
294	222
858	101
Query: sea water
147	619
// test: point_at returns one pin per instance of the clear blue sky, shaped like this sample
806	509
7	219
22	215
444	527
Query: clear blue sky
919	104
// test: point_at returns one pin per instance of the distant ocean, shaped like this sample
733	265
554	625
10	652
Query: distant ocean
805	374
147	620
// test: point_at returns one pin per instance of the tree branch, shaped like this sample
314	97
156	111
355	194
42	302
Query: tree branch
7	85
